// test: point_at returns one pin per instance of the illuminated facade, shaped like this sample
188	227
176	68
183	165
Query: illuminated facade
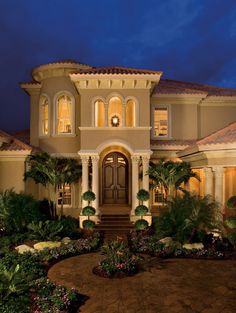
114	121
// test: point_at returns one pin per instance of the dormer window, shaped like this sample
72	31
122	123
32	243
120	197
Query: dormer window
44	116
64	123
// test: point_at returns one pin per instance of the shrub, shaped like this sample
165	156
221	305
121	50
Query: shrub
232	238
48	230
7	241
141	224
187	218
118	258
70	227
88	211
87	224
143	195
141	210
17	210
88	196
231	222
231	203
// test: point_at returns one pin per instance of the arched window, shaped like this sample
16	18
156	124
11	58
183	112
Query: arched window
64	114
130	113
115	112
44	116
99	113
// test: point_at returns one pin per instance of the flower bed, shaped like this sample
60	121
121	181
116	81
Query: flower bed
119	261
23	283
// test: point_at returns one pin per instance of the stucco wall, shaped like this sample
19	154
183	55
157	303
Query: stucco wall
11	174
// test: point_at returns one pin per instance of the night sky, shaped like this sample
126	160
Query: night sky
192	40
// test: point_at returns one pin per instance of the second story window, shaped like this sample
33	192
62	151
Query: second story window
65	114
44	116
160	121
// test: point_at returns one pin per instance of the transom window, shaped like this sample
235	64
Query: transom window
64	195
44	115
64	115
160	121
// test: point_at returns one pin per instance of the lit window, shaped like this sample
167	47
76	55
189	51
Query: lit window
99	113
160	125
130	113
64	115
64	196
44	113
158	195
115	112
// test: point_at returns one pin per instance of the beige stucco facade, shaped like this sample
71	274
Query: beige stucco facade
194	111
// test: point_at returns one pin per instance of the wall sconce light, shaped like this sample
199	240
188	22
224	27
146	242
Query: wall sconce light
115	121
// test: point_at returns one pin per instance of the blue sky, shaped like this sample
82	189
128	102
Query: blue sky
192	40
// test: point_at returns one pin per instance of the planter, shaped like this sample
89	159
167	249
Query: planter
97	270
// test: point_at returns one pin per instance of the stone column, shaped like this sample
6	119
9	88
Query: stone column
106	114
85	161
123	115
219	185
208	181
95	182
135	181
145	162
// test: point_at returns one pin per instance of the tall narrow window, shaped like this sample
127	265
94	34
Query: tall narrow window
64	195
64	115
115	112
44	115
130	113
99	113
160	122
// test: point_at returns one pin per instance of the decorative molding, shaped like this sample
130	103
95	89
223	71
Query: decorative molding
108	128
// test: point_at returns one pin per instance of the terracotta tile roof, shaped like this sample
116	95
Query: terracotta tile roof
23	135
117	70
173	142
222	136
66	61
11	143
167	86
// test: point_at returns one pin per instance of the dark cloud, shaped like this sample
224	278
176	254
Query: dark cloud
188	40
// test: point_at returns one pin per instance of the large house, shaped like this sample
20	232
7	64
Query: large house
114	121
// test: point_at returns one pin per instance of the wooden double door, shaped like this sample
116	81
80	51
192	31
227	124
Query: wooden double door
115	179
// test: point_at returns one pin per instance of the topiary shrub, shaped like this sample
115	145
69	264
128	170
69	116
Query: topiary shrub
143	195
88	224
88	196
141	224
231	222
231	203
88	210
141	210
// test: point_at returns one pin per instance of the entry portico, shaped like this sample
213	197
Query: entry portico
115	173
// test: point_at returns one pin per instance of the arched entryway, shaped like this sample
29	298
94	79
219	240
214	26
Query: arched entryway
115	179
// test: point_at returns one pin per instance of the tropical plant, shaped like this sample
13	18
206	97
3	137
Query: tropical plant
170	175
141	224
70	227
51	173
231	222
118	259
188	217
12	281
17	210
231	203
48	230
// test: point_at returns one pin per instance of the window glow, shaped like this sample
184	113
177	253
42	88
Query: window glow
67	195
161	122
64	115
44	115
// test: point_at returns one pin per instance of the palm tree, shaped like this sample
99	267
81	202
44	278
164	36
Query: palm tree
170	175
52	172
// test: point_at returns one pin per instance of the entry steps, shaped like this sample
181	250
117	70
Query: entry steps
115	225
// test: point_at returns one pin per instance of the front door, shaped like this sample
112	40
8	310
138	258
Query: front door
115	185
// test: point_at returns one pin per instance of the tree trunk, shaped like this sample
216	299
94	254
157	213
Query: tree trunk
62	202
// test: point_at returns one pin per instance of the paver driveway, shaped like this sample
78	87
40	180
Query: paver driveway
166	286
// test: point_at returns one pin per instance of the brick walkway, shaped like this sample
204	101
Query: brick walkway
168	286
